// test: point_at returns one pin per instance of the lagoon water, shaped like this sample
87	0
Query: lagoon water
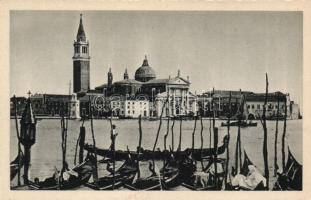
46	154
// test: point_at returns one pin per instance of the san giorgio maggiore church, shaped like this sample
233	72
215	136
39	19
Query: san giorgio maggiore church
144	95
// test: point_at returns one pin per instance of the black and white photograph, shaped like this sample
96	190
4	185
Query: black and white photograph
162	100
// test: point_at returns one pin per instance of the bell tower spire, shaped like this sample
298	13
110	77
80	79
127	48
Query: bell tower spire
81	34
81	61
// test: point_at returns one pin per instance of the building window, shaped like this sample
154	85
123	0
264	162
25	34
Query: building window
253	106
258	106
77	49
248	106
129	112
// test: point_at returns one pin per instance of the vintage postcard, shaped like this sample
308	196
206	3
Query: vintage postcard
199	99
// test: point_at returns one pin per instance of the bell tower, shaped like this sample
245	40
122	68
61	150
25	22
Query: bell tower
81	61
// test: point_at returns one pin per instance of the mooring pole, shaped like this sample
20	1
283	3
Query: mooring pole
81	144
95	171
18	142
276	137
27	135
215	154
228	134
283	137
265	147
139	146
172	129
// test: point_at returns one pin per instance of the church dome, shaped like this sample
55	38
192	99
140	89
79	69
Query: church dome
145	72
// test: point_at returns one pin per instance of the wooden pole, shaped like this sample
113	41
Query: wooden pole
210	124
139	145
172	129
241	116
18	142
167	132
201	134
228	134
113	139
265	147
215	154
283	137
193	132
276	137
95	172
158	132
81	144
180	134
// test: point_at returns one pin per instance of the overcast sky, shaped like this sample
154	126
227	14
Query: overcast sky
225	50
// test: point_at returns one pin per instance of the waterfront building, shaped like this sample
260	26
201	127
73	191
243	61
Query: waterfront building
20	105
254	104
51	104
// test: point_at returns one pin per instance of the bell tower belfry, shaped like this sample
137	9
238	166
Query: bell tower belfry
81	61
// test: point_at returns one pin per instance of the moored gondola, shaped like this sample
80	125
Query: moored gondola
125	174
197	154
207	179
151	182
17	164
291	178
71	179
248	178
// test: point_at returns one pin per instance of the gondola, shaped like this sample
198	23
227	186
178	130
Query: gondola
125	174
291	178
243	180
197	154
17	164
76	177
170	174
206	179
152	182
242	124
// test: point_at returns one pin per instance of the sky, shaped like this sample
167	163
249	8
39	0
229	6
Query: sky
225	50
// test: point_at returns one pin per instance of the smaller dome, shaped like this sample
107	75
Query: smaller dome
145	72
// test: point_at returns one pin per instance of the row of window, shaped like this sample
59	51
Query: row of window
270	106
77	49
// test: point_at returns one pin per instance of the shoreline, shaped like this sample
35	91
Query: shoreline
145	119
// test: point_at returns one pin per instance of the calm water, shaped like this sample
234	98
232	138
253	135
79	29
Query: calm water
47	153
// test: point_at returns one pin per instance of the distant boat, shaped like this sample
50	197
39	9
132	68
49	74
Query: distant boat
153	118
237	123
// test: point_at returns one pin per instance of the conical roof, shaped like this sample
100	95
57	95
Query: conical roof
81	33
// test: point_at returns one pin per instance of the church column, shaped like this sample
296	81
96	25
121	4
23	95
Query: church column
187	102
174	102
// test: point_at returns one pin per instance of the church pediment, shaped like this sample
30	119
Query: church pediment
179	81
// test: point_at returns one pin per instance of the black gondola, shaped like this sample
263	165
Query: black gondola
197	154
83	173
242	124
152	182
244	171
291	178
205	179
125	174
170	174
17	164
